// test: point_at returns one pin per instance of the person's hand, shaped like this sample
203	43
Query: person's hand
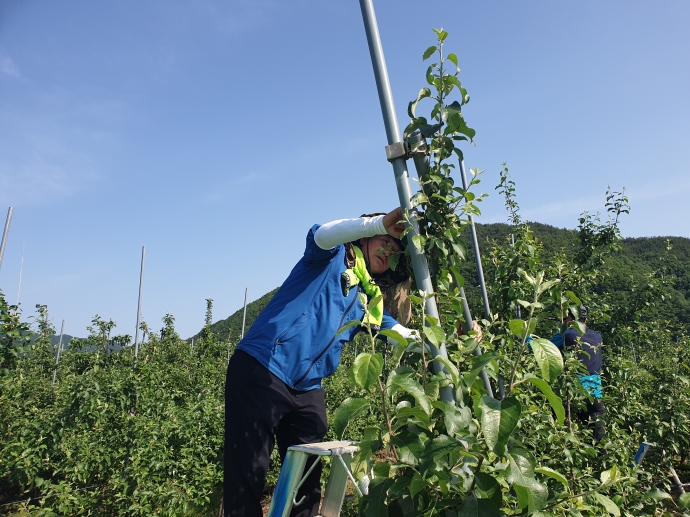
478	336
392	222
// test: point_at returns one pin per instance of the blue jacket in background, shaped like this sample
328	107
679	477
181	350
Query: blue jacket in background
589	355
294	336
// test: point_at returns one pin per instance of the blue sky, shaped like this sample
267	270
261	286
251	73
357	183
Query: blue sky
216	133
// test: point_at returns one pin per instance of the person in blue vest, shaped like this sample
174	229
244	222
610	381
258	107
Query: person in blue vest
273	385
589	353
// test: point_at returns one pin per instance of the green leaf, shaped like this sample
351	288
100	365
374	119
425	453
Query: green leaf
430	76
574	299
450	367
376	500
393	261
553	475
604	501
397	354
423	93
499	418
404	413
434	335
348	325
608	477
400	484
366	369
436	449
395	336
547	285
581	327
442	35
530	279
427	130
684	500
415	389
349	409
452	58
657	494
455	108
478	364
488	488
418	241
456	419
554	400
548	358
410	447
460	250
417	484
429	52
518	327
531	494
415	299
473	507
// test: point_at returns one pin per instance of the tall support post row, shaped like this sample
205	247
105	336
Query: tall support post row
396	154
141	288
5	233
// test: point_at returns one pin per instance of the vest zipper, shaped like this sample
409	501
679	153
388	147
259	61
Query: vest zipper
294	386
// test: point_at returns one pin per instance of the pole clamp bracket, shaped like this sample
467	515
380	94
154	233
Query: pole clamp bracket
395	151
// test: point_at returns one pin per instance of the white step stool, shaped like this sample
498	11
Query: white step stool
292	476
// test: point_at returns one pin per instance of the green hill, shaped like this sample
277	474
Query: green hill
637	258
231	327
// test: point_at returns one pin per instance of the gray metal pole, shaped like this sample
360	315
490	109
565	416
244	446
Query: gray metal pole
57	358
421	163
21	270
397	155
480	270
141	288
420	157
466	330
475	246
512	245
5	233
244	315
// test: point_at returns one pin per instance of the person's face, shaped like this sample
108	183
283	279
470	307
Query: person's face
377	252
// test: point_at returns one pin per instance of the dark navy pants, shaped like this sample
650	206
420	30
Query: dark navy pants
260	408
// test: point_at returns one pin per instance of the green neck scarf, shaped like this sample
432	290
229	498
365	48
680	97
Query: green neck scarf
358	275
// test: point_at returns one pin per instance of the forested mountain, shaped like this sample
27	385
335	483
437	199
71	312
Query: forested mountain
629	270
633	265
231	328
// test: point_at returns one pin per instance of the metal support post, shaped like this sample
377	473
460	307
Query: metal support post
21	271
141	288
512	245
396	155
244	315
480	271
475	246
418	148
5	233
57	358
